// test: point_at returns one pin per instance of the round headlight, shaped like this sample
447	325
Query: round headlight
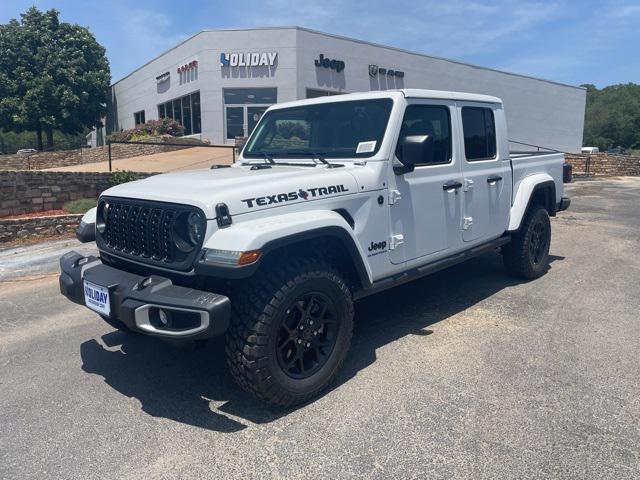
188	231
101	216
196	228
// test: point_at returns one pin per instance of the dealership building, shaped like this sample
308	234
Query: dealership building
218	83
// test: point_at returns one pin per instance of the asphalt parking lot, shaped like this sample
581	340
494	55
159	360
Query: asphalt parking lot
464	374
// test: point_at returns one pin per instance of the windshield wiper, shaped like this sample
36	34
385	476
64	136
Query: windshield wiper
324	161
314	155
320	158
267	158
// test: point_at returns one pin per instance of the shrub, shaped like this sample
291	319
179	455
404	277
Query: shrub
293	128
82	205
152	128
122	176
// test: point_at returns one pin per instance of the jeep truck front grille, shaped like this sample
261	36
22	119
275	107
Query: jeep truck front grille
144	231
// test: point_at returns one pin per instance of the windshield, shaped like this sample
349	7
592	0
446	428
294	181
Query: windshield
344	129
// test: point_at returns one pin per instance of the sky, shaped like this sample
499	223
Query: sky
574	42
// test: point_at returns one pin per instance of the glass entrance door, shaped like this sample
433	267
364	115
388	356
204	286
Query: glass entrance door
234	118
241	120
243	108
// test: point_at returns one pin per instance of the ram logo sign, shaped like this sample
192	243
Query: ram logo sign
250	59
375	70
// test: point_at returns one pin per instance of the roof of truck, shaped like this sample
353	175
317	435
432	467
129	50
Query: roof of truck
446	95
396	93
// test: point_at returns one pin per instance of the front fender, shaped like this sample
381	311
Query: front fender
86	231
90	216
268	233
525	191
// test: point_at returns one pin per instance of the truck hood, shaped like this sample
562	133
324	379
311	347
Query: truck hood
242	189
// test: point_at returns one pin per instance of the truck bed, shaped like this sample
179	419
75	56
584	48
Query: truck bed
524	164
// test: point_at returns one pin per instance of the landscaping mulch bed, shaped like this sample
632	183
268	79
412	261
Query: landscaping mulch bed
43	213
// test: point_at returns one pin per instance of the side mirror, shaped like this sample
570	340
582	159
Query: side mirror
415	149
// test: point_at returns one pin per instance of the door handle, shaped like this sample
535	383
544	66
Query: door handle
493	179
451	185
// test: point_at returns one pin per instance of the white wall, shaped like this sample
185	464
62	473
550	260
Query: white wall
539	112
139	90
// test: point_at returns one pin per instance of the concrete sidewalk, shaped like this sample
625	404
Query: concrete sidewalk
39	259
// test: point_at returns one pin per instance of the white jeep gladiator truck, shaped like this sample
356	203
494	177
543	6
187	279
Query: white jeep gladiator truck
331	200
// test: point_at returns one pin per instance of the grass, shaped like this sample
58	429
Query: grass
80	206
634	152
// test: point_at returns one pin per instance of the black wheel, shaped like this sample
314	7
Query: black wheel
290	331
117	324
527	255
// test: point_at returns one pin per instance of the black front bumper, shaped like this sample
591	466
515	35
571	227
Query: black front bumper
563	204
198	314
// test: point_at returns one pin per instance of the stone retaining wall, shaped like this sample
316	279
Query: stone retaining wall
604	164
64	158
41	160
32	191
35	191
38	227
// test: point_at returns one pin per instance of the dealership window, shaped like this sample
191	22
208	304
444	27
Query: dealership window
479	129
243	108
138	117
250	95
185	110
315	93
195	112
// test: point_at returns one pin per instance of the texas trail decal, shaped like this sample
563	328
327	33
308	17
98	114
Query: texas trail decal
307	194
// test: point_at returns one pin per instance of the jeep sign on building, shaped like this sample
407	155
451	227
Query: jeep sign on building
219	83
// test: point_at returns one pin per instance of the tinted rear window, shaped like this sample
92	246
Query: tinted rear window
479	133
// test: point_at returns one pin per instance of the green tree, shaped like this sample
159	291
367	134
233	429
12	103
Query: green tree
11	142
53	75
612	116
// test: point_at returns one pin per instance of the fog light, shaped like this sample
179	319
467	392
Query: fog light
159	318
163	317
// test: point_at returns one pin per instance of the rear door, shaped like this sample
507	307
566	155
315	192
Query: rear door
428	215
486	172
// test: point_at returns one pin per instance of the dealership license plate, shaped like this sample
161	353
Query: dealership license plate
97	298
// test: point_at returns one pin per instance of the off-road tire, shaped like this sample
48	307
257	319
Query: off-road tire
117	324
527	255
260	309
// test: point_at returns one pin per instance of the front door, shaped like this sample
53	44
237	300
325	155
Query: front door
240	120
234	121
428	214
487	177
